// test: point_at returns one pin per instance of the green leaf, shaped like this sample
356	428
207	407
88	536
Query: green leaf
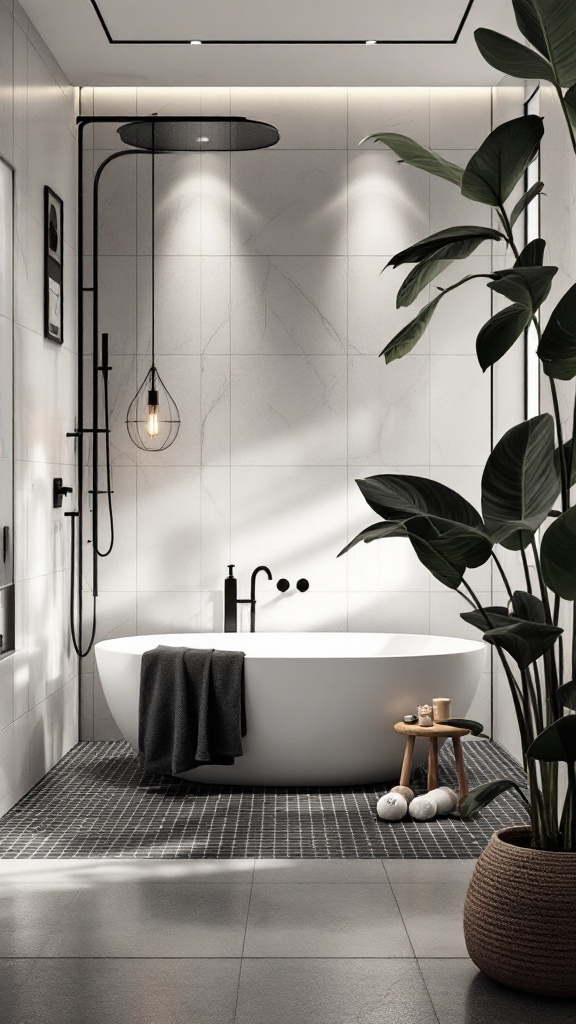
498	335
566	696
529	286
528	607
525	642
567	446
550	25
409	336
557	349
447	549
398	496
413	153
428	269
520	483
433	244
525	201
476	728
510	57
557	742
558	555
570	101
532	255
496	168
483	795
376	532
497	615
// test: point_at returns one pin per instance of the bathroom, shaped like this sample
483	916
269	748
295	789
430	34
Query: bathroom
254	283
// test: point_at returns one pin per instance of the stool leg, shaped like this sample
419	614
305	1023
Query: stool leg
433	763
407	762
460	768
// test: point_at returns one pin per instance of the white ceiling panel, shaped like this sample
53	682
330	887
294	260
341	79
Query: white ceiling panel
273	19
88	38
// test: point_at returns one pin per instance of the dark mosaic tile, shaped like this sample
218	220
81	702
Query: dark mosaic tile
96	802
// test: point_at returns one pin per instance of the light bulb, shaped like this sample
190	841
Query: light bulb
152	428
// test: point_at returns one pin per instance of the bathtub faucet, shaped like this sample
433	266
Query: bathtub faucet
231	600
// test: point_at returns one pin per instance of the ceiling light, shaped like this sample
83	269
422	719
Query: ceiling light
371	42
195	42
203	138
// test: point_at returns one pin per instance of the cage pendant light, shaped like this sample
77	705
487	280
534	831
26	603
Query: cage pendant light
153	420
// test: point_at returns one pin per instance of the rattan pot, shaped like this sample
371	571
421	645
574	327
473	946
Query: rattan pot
520	915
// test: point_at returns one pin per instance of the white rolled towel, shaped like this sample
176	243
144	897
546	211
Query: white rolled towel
391	807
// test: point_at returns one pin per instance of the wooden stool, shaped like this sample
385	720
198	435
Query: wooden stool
433	733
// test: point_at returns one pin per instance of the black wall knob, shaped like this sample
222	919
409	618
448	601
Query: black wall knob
302	586
283	586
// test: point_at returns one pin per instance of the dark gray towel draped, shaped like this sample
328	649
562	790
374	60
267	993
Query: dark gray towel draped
191	709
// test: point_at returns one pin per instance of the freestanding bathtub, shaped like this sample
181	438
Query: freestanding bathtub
320	707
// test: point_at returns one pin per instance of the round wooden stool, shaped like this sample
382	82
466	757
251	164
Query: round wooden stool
433	733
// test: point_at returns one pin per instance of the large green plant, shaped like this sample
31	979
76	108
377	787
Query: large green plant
532	466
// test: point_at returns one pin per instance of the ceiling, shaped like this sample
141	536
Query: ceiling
266	42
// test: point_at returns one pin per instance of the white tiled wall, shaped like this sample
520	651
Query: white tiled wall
38	684
271	312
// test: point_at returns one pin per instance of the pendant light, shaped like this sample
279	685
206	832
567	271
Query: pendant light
153	420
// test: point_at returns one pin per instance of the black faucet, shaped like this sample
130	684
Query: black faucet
231	600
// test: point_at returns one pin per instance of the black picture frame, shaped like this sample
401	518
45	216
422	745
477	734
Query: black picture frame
53	266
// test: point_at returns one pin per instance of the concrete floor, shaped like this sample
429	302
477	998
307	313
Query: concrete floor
245	942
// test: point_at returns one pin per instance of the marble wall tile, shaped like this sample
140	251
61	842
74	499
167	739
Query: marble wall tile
459	411
215	411
288	305
6	691
168	558
405	111
42	534
118	570
288	410
289	203
459	118
388	612
181	375
388	204
44	405
6	85
306	118
215	509
293	519
178	612
388	410
459	317
311	611
192	205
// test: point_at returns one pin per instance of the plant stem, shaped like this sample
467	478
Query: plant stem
561	452
543	587
566	115
526	570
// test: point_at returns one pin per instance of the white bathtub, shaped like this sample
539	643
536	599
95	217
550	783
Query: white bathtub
320	707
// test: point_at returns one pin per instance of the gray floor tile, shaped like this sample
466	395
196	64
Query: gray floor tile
462	995
332	992
75	872
433	917
118	991
28	918
318	870
415	871
325	919
155	920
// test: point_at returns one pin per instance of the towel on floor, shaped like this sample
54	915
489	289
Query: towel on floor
191	710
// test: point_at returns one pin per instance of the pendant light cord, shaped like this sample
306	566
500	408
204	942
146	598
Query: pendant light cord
153	254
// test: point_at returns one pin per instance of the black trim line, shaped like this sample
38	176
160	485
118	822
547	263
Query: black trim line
280	42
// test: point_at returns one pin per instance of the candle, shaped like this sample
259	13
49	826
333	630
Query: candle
425	715
441	707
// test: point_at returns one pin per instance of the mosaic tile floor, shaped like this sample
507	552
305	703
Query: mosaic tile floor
96	802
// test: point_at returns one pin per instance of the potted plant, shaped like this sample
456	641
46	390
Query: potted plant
520	914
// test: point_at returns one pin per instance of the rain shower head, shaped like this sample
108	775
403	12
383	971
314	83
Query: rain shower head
200	134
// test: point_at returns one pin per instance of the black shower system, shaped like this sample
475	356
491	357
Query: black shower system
147	136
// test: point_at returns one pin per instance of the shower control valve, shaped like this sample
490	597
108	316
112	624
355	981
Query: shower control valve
59	492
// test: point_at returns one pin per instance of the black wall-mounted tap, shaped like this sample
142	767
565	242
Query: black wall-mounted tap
231	599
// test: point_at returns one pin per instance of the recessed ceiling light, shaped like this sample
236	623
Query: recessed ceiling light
195	42
371	42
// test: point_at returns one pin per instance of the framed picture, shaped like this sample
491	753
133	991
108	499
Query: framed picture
53	265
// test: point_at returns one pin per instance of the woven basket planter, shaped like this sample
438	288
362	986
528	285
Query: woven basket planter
520	915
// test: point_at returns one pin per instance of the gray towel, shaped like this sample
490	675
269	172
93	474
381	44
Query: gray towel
191	709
